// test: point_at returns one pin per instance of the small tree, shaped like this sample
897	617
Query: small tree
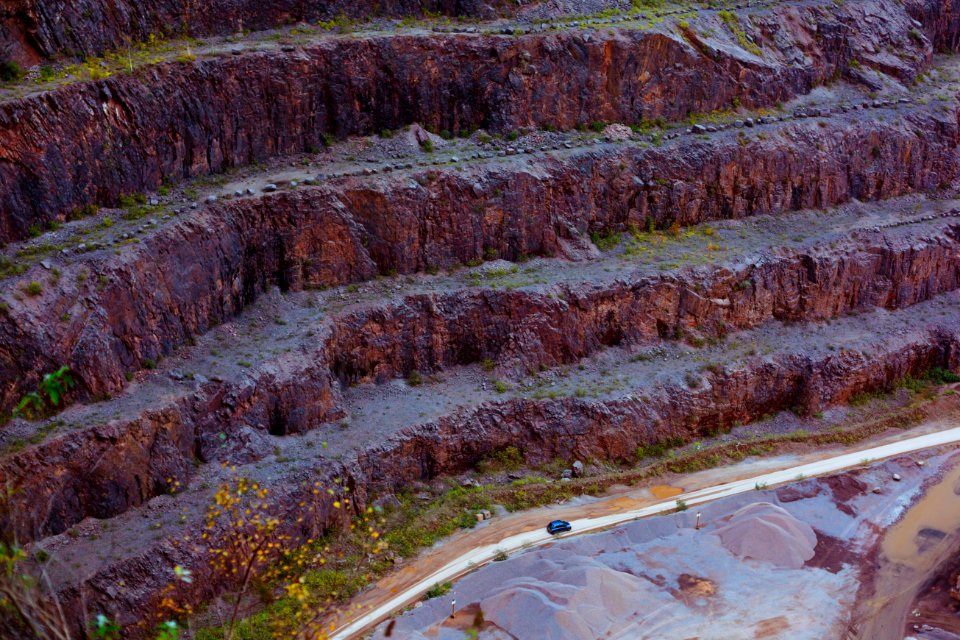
247	541
28	603
10	71
51	390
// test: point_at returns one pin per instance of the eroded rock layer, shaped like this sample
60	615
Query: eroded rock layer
91	142
522	329
395	308
608	428
201	270
34	29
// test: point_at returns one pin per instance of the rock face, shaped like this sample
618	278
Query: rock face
31	30
527	330
939	20
202	270
34	29
393	310
91	142
124	463
544	430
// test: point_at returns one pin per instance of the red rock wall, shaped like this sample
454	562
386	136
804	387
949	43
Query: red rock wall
31	30
543	431
98	476
940	21
526	329
91	142
159	294
121	464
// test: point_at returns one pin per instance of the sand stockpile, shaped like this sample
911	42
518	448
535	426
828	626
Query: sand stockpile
579	601
768	533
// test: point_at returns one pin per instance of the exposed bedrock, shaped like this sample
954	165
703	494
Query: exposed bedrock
93	141
106	469
939	20
31	30
175	285
543	430
34	29
205	268
570	428
721	178
568	322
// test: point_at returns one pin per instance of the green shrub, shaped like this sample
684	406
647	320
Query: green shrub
10	71
49	394
333	583
659	448
606	240
47	74
466	521
128	200
942	376
507	458
438	590
83	212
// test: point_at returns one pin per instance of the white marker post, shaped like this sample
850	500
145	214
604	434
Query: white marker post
697	528
453	606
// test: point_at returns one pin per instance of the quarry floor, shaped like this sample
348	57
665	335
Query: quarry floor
880	541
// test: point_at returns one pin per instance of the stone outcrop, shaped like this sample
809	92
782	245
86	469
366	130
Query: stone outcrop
91	142
940	21
113	467
197	272
31	30
305	312
544	430
521	329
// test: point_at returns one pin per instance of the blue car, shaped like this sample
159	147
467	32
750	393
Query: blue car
558	526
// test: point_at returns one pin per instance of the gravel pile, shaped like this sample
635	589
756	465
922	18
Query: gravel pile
766	532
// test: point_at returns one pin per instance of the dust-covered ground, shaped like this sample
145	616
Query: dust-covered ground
795	562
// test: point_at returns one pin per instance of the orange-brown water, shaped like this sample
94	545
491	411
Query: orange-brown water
911	552
661	491
939	510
